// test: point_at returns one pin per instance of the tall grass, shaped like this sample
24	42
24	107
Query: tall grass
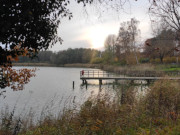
156	112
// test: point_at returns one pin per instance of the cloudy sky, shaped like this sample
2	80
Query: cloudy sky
91	25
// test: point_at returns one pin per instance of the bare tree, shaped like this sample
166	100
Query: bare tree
127	38
109	45
110	42
167	11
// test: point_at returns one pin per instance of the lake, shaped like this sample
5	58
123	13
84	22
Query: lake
50	91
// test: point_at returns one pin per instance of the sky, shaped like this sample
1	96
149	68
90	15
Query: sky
90	26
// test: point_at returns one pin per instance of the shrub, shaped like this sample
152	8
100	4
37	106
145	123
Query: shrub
144	60
96	60
169	60
163	99
157	60
154	112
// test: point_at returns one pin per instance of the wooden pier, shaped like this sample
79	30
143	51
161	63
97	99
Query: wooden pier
102	75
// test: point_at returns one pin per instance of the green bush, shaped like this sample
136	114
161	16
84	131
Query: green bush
144	60
96	60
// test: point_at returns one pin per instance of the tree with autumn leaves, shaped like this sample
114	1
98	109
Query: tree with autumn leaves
162	45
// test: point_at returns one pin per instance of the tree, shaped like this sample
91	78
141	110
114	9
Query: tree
169	12
33	24
161	45
27	26
109	46
127	38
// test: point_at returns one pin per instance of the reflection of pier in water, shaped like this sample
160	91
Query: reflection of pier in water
102	75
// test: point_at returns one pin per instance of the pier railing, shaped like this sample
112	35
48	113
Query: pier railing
95	73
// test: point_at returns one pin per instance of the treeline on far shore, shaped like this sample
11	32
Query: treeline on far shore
87	56
69	56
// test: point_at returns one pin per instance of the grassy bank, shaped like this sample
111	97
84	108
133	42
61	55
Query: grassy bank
34	64
83	65
157	112
110	67
129	70
54	65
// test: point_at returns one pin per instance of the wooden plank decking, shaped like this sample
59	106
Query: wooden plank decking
129	78
102	75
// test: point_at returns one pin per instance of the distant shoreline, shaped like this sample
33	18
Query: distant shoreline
79	65
34	64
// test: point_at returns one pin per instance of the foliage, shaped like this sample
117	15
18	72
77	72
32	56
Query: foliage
97	60
161	45
156	112
163	100
31	23
144	60
156	61
16	78
170	60
127	39
78	55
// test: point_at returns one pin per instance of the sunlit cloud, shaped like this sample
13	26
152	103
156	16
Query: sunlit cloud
97	34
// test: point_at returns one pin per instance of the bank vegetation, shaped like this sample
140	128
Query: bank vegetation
155	112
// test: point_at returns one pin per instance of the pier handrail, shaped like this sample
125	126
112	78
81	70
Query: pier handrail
95	73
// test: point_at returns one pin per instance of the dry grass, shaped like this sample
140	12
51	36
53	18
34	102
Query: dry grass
157	112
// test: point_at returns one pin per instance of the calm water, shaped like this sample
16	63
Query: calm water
51	90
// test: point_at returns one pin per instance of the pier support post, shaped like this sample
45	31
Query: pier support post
73	84
116	81
86	85
100	82
84	82
132	82
148	82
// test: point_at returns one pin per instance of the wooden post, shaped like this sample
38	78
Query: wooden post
86	83
83	81
132	82
100	82
116	81
148	82
73	84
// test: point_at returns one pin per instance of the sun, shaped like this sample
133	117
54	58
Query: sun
97	36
